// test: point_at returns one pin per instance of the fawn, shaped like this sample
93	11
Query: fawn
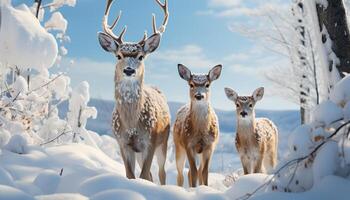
196	129
141	118
256	139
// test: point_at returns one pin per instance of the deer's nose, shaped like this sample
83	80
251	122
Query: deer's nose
199	96
129	71
243	113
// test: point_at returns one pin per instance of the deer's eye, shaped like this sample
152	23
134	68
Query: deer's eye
250	105
191	85
119	57
207	85
237	105
141	58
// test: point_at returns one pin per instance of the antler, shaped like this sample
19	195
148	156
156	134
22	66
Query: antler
109	29
166	17
154	24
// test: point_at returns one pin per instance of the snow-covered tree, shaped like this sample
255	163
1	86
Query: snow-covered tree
29	93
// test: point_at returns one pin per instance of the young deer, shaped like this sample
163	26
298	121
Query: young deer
256	139
196	129
141	119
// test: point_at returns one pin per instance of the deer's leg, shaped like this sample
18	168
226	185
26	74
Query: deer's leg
128	156
180	155
200	170
147	162
192	173
140	157
259	161
206	157
161	158
244	163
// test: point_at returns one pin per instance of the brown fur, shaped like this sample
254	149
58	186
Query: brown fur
193	136
196	129
257	143
256	139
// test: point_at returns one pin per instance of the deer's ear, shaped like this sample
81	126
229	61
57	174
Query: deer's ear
107	42
184	72
152	43
258	94
215	72
231	94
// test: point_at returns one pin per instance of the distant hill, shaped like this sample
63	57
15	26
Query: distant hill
285	120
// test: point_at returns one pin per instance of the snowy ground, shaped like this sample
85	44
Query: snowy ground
79	171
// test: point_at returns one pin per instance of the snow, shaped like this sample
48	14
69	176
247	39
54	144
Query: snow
5	178
17	144
246	184
328	154
22	38
10	193
47	181
62	196
327	113
299	141
121	194
341	93
57	22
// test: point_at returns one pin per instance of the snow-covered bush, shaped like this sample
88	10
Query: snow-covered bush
17	144
29	94
320	148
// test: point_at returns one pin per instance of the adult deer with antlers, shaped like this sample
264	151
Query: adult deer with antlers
141	119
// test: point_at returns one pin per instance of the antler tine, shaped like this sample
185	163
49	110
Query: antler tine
166	17
109	29
154	23
116	20
144	38
120	38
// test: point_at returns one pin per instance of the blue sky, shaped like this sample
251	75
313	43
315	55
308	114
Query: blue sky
197	36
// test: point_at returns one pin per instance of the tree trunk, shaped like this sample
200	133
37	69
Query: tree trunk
333	18
304	89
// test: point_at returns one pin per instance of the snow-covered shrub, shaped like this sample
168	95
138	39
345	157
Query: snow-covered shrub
320	148
17	144
29	94
79	112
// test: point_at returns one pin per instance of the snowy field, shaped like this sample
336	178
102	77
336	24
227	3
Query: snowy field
225	159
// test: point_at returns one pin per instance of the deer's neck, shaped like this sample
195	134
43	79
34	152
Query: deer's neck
129	97
246	126
199	115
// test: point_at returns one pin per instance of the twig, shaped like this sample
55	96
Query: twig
58	136
46	84
37	8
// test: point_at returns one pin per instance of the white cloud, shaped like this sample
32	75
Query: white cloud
239	8
190	55
223	3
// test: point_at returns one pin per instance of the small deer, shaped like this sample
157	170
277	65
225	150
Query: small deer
141	119
256	139
196	129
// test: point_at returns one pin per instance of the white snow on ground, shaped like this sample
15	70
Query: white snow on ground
84	171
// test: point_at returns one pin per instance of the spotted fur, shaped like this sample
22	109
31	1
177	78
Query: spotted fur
256	139
196	128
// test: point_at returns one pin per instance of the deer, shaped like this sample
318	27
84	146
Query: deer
196	128
141	117
256	138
